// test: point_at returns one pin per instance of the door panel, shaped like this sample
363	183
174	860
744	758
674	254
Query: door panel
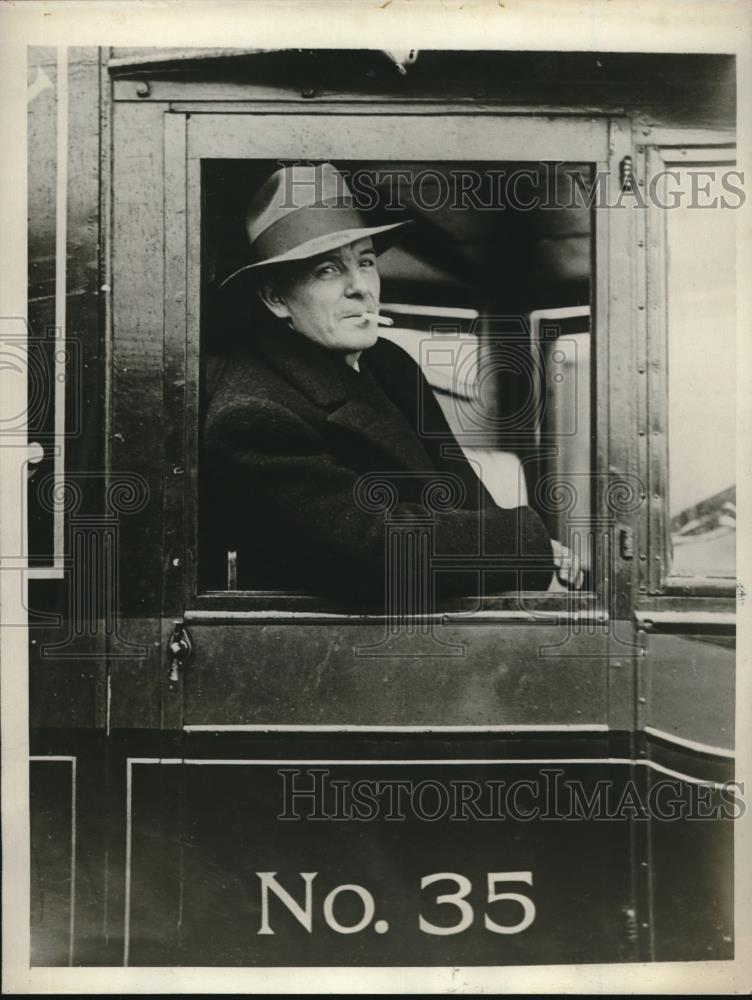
287	672
360	675
691	688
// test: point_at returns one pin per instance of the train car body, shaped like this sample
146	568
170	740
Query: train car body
175	716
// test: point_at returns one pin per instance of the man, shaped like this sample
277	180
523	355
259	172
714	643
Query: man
314	443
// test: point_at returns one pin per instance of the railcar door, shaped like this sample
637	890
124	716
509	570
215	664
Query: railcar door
533	676
331	668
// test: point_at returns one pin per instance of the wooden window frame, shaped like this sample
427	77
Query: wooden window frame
195	132
665	148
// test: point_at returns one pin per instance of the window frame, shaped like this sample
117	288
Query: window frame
594	139
664	150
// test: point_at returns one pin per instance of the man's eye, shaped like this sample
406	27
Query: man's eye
368	262
325	270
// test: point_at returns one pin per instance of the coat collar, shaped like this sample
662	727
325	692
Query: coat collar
327	382
320	377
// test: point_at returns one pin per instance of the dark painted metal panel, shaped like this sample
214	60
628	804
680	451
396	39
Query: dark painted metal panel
692	89
195	898
52	821
42	202
691	682
137	407
374	137
328	675
65	693
84	308
138	294
68	692
615	414
134	676
691	867
201	830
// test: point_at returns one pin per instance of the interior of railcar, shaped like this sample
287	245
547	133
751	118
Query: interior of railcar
490	292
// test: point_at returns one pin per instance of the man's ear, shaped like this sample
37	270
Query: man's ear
273	300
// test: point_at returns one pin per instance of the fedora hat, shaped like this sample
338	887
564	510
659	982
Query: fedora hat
302	211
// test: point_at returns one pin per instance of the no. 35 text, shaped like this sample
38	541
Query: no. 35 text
505	911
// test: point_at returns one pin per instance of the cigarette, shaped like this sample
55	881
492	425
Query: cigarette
383	320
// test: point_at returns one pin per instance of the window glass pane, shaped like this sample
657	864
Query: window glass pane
701	370
488	248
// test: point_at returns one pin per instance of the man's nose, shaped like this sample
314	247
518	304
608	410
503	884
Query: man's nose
357	281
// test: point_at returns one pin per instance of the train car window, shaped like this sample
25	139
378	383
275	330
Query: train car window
488	295
700	335
701	379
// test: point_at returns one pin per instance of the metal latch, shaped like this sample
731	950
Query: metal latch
179	649
626	543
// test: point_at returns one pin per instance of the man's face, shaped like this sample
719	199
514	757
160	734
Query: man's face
325	297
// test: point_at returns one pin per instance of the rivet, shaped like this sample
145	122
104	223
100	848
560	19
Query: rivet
143	89
640	307
308	92
643	557
641	434
641	243
177	470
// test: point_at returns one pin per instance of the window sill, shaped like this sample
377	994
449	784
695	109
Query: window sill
256	607
687	622
699	586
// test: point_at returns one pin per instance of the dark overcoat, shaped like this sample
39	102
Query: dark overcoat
313	472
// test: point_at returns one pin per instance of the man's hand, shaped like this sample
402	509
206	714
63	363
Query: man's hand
568	569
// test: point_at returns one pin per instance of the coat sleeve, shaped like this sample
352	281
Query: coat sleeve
316	512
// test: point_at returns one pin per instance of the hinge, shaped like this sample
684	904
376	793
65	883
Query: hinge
626	175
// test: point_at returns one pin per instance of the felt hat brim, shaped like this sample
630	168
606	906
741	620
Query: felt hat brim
321	244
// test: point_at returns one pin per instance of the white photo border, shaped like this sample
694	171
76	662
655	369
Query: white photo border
556	25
